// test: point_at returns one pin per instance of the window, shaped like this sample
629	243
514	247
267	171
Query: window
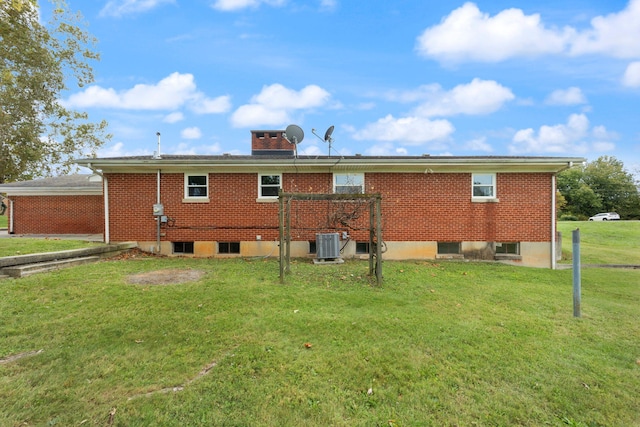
182	247
448	248
273	135
348	183
312	246
269	185
196	186
362	247
228	247
511	248
484	185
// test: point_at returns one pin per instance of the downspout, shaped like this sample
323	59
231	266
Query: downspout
553	222
105	189
157	216
10	230
157	156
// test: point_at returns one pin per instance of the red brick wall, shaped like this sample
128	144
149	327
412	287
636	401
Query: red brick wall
58	214
415	207
438	207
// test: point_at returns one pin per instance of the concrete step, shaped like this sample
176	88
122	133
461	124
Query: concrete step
41	267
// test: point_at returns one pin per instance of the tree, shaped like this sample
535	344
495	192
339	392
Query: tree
580	199
38	135
601	186
615	186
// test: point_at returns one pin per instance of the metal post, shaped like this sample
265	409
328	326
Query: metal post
372	204
576	272
281	227
380	242
287	237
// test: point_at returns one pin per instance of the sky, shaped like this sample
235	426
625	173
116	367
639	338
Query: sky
395	77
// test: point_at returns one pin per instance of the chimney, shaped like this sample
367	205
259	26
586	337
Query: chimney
270	143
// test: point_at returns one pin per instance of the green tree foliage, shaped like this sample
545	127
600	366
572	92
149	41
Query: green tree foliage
600	186
38	135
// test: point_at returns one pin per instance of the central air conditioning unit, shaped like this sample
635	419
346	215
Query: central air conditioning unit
327	246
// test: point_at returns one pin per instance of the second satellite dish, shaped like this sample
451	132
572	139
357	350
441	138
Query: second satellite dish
294	134
328	133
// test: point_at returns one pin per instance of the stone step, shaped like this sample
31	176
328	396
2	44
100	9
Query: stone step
41	267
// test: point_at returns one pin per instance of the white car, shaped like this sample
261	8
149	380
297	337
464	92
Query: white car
606	216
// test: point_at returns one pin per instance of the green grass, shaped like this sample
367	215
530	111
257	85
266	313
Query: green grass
11	246
610	242
3	221
439	344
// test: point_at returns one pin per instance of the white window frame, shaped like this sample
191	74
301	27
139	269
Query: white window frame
187	197
492	185
261	186
358	180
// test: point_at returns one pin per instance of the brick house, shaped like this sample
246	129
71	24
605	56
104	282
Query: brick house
59	205
491	208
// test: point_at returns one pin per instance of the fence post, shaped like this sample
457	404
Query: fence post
576	272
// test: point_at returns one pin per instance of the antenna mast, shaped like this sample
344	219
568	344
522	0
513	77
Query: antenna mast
327	137
156	155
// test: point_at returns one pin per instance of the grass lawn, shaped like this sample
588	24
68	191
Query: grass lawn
606	242
3	221
11	246
439	344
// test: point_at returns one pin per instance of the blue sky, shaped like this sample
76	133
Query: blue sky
397	77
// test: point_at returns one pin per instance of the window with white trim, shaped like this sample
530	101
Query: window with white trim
196	186
348	183
269	185
483	185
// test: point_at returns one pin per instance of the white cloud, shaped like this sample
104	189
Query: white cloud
170	93
469	34
574	136
275	104
119	8
616	34
328	5
386	149
185	148
200	104
118	149
632	75
232	5
570	96
475	98
191	133
174	117
479	144
406	130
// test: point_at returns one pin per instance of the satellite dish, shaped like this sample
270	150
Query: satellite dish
328	133
294	134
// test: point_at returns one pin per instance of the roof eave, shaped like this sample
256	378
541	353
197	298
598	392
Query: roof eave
417	164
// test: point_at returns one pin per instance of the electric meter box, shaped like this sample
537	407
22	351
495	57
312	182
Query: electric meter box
158	209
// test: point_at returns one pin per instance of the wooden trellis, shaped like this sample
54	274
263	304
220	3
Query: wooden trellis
375	227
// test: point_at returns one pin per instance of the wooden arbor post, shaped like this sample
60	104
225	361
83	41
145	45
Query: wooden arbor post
375	227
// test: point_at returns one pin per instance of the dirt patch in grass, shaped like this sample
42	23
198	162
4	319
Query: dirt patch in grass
166	277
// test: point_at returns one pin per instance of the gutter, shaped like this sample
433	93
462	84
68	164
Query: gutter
105	185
